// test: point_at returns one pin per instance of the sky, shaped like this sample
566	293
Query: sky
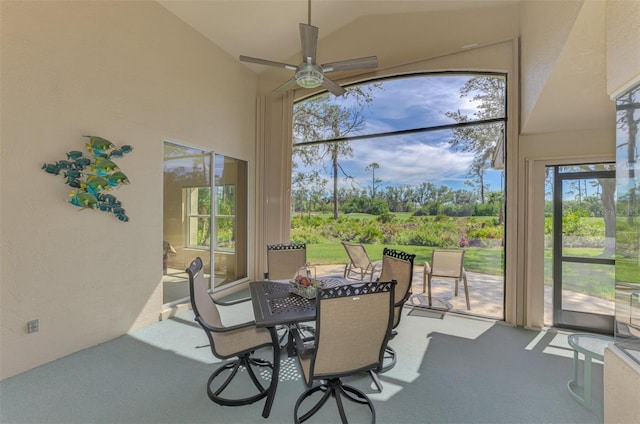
414	158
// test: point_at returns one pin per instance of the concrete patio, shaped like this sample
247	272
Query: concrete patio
486	294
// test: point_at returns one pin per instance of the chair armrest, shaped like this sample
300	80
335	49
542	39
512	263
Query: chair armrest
427	268
225	329
305	346
231	302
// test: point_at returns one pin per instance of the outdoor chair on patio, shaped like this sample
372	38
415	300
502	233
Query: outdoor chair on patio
446	264
349	340
359	263
396	265
237	341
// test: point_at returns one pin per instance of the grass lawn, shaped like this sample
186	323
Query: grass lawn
476	259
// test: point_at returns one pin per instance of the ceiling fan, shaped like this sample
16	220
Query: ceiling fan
309	74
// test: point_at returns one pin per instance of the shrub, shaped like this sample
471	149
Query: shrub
385	217
371	233
421	212
304	236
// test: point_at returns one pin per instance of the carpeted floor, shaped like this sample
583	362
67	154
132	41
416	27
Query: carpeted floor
451	369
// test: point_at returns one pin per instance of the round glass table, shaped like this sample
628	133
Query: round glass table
592	347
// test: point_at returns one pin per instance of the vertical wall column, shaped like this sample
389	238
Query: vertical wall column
273	170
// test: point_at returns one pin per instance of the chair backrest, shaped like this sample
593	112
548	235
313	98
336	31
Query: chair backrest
284	260
205	310
357	254
353	324
447	263
398	265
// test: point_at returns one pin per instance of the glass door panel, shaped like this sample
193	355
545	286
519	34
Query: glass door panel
628	222
584	247
230	220
186	216
205	215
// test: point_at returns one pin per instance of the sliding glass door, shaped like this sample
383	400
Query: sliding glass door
205	215
584	246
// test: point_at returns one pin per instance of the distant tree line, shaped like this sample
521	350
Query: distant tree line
425	199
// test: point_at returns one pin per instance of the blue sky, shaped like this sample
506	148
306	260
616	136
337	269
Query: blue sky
414	158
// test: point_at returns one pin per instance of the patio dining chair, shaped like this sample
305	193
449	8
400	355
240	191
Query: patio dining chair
285	259
283	262
396	265
340	350
239	341
446	264
359	263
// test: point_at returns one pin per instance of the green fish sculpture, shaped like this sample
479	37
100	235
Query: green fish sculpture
98	145
83	199
104	167
116	179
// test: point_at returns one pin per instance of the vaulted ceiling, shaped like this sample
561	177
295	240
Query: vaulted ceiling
574	92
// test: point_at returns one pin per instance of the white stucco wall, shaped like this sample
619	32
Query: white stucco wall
623	44
130	72
544	28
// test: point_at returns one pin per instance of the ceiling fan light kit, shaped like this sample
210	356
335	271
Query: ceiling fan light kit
309	74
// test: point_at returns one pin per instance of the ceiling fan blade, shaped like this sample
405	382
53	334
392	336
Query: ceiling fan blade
309	42
267	62
333	87
347	65
287	85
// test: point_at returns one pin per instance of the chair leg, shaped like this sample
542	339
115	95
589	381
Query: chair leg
466	291
389	352
455	288
376	380
333	388
233	367
429	288
328	392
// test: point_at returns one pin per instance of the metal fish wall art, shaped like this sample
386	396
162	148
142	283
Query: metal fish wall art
92	174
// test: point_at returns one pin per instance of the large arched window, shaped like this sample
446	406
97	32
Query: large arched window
412	162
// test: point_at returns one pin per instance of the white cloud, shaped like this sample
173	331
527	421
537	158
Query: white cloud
411	163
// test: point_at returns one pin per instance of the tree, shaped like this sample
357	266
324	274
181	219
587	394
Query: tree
324	118
476	172
375	182
307	190
497	198
607	195
481	140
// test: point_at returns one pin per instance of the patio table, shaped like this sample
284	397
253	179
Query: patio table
274	305
592	347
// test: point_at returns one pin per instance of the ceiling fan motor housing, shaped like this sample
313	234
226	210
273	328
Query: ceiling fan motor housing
309	75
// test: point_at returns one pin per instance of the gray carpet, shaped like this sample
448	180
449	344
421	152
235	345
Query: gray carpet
426	313
450	370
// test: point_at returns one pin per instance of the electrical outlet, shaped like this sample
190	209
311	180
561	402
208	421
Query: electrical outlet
33	326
